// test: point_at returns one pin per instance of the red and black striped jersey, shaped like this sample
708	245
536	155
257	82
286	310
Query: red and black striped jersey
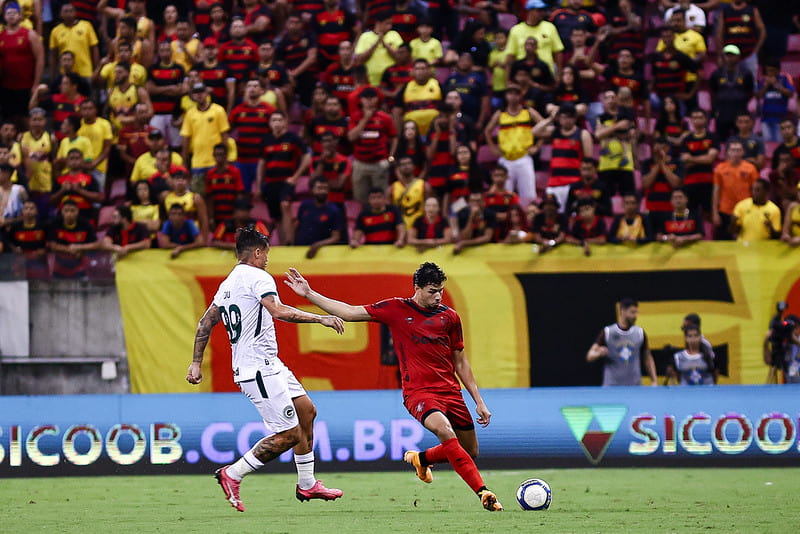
686	223
81	179
373	143
405	22
658	197
501	202
442	160
251	16
281	156
331	169
226	230
223	186
373	7
340	81
458	183
379	228
430	230
740	28
214	77
63	108
85	10
292	51
251	125
338	127
629	39
669	72
80	232
135	233
163	76
202	17
699	145
332	28
565	160
308	6
240	60
394	78
28	238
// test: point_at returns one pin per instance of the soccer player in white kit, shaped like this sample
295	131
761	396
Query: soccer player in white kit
286	409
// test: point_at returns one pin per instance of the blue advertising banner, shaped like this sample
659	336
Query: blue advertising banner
370	430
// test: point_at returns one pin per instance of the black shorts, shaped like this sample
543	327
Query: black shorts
616	180
274	193
699	197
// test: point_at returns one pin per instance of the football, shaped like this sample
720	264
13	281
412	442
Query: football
534	494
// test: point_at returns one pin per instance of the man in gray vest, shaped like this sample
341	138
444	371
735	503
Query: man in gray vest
623	345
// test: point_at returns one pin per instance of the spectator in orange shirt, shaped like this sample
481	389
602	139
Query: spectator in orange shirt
732	181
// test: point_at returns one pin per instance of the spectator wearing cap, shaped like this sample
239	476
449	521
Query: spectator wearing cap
550	45
194	205
77	36
377	48
145	165
739	23
731	87
223	186
515	142
215	76
23	56
319	221
225	233
571	145
775	88
549	226
165	85
374	137
203	127
124	98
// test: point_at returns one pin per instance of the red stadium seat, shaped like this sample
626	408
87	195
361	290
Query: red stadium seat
119	190
486	156
351	209
506	20
793	46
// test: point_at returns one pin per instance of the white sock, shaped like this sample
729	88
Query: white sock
244	465
305	470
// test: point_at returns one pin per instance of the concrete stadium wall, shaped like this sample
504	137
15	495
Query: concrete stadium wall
77	343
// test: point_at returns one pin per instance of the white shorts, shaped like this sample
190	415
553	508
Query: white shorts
272	396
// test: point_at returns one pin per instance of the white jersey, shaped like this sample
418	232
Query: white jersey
251	330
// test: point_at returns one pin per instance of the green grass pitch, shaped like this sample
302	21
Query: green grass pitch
746	500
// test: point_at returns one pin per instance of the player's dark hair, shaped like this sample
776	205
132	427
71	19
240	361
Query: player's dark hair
704	350
627	302
130	22
692	318
221	146
376	190
429	274
247	239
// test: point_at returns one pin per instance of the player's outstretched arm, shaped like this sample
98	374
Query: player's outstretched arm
464	373
346	311
281	311
207	322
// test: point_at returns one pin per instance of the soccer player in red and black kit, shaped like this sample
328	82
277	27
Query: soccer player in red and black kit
429	343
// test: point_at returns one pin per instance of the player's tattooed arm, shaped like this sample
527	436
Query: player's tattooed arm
204	327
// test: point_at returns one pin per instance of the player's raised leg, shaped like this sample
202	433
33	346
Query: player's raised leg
230	477
458	457
308	487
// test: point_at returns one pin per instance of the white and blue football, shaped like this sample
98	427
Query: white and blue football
534	494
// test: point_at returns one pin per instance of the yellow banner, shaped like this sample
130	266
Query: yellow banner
490	286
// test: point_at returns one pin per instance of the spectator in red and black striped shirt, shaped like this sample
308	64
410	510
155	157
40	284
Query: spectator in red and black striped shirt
699	152
331	121
333	26
669	73
284	159
249	122
297	51
430	229
165	87
661	174
334	167
395	78
239	56
215	76
339	77
125	235
379	224
223	186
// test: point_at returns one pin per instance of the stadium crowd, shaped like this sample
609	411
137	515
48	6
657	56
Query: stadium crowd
128	125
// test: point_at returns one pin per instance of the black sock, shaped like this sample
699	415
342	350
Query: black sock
423	460
483	488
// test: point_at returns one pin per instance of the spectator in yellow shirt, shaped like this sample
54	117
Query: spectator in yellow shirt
203	127
77	36
546	34
377	48
426	46
756	218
